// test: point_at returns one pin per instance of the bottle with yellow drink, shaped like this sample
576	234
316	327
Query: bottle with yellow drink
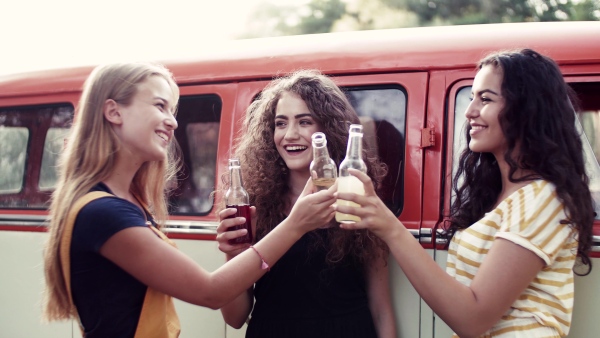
347	182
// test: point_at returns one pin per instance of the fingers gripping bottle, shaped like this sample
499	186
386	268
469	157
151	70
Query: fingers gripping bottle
237	197
322	168
347	182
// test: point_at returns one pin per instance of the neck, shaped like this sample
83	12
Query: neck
509	187
119	181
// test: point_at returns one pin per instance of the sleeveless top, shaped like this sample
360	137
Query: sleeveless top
304	296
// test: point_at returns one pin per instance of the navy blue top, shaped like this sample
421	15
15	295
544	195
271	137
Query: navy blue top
108	299
304	296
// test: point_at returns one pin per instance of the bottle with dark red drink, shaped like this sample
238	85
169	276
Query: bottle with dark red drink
237	197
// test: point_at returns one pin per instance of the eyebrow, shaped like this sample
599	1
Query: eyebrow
481	92
299	116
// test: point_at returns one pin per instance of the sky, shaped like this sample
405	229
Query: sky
42	34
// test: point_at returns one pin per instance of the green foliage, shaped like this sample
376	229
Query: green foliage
321	16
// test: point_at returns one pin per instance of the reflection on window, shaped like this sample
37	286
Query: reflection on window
198	134
382	111
589	117
12	158
55	140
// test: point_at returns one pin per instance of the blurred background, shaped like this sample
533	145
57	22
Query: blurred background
40	34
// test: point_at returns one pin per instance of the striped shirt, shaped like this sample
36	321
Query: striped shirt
530	218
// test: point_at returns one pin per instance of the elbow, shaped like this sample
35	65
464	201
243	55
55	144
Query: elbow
236	324
213	302
471	330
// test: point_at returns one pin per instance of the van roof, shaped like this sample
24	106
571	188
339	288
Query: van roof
359	52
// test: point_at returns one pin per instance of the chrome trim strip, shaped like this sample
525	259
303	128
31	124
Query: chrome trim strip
24	220
191	227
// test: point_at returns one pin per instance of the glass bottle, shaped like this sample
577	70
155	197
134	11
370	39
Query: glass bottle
323	170
347	182
237	197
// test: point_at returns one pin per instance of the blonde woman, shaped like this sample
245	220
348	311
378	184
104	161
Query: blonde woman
106	262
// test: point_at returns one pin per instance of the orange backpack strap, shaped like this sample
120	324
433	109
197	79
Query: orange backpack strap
67	234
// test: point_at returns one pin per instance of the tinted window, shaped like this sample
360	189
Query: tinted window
382	111
31	138
198	134
12	158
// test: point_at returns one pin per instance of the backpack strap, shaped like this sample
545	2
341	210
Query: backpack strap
65	239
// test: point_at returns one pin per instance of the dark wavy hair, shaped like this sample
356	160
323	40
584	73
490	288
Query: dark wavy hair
538	122
265	174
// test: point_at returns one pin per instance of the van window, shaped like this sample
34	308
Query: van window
53	144
589	120
12	158
198	118
382	112
32	138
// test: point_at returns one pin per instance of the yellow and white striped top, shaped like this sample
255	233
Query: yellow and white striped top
530	217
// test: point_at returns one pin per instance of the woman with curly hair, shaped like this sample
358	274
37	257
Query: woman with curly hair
331	283
522	215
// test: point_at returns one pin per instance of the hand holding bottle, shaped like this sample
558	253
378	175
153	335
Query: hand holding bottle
373	214
312	210
226	235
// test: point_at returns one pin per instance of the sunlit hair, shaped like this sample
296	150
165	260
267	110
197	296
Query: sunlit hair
538	119
89	158
265	174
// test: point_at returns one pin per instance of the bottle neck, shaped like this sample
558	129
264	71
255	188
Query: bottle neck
236	177
320	152
354	150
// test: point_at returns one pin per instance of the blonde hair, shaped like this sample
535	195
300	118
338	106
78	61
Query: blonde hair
89	158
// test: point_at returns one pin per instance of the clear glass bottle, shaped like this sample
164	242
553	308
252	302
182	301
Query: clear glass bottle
237	197
323	170
347	182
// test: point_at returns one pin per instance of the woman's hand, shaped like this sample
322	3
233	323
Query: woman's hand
224	235
374	214
313	210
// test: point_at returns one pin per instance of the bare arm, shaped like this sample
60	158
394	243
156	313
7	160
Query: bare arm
380	303
160	266
237	311
468	310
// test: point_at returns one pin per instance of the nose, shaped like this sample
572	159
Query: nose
472	111
171	122
292	132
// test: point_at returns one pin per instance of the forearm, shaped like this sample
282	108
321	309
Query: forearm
240	273
454	302
380	303
236	312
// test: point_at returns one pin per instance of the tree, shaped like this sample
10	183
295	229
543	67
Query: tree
321	16
317	16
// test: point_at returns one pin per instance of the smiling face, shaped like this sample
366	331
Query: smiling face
294	126
147	125
483	111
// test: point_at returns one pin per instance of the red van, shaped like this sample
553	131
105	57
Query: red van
410	88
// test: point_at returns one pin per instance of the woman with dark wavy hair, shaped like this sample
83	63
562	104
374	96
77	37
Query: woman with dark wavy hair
331	283
523	211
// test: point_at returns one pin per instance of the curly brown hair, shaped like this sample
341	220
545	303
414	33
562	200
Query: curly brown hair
265	174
